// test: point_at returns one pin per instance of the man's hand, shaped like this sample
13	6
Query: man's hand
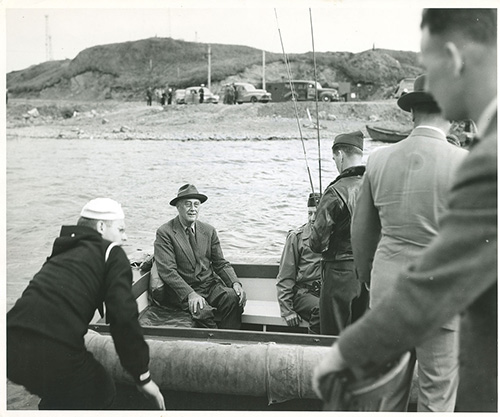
152	391
333	362
240	292
195	302
293	320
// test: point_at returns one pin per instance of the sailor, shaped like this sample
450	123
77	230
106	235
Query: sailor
191	264
46	327
299	277
331	236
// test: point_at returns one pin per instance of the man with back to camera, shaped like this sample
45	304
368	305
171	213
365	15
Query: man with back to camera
191	264
331	235
45	329
299	277
403	194
457	272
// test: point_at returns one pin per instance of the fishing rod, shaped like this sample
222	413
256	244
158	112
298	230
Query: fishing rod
292	89
316	100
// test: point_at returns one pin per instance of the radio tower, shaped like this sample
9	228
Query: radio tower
48	41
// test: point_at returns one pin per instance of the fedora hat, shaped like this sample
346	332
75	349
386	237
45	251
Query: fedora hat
188	191
417	96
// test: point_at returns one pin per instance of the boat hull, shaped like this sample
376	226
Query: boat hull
386	135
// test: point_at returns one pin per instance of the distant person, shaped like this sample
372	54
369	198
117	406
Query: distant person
230	94
331	236
402	197
458	272
169	96
235	93
299	278
45	329
202	93
149	96
190	262
163	98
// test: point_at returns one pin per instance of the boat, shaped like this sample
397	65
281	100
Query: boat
264	366
385	134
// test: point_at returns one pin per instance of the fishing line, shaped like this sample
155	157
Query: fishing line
294	100
316	100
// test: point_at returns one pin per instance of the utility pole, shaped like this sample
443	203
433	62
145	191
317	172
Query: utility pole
263	70
209	66
48	41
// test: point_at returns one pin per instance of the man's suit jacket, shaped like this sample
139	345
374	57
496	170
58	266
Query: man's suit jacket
403	194
456	273
176	262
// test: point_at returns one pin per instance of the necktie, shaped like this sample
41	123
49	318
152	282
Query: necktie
192	242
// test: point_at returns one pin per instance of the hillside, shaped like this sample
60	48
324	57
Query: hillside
124	70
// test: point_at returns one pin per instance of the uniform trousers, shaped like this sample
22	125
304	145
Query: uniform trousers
64	378
338	290
306	305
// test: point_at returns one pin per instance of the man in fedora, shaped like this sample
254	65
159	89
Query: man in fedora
299	278
457	272
331	235
190	262
46	327
402	196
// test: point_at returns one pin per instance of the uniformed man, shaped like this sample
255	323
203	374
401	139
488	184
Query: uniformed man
299	277
331	235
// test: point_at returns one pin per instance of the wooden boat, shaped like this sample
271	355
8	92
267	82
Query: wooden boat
265	366
386	135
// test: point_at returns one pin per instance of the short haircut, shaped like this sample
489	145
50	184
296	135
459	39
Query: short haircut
349	150
479	25
92	223
426	108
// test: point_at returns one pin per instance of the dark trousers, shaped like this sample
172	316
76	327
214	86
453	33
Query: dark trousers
339	288
225	300
306	305
64	379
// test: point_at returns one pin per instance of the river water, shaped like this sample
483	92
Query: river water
257	191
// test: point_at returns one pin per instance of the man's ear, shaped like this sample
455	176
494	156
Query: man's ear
455	57
100	226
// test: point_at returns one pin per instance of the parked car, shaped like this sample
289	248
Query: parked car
192	95
247	93
179	96
405	86
303	90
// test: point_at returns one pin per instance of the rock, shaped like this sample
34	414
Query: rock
331	117
75	114
104	121
33	112
374	118
124	129
116	130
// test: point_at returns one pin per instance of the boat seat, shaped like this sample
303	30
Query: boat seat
259	281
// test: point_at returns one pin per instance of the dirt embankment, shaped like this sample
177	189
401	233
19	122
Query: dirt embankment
135	120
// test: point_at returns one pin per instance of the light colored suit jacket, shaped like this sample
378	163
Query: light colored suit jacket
402	197
176	262
456	273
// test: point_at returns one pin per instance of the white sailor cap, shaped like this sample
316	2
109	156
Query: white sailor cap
103	209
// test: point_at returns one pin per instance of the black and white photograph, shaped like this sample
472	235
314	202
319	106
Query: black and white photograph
235	206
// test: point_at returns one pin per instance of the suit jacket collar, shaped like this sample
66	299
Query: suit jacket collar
428	132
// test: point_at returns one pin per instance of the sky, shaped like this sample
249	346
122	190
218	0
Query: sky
272	25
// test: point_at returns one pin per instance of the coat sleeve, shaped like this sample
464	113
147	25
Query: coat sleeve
457	271
365	231
324	224
287	275
122	315
221	266
166	263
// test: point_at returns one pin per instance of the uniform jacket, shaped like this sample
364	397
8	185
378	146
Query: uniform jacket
456	273
176	262
403	194
331	233
298	265
63	296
